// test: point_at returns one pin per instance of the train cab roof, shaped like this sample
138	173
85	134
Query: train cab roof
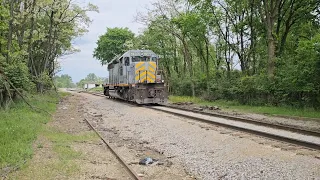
139	53
131	53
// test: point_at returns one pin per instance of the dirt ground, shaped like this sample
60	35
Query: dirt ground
133	149
68	149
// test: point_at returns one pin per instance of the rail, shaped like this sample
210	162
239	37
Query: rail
129	170
262	123
283	135
277	137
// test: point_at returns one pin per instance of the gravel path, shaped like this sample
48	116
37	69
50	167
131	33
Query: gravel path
207	151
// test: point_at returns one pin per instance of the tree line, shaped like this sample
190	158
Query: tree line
258	52
65	81
92	78
33	35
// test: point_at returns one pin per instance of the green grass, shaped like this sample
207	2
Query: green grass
60	137
19	127
63	162
62	142
268	110
96	89
64	94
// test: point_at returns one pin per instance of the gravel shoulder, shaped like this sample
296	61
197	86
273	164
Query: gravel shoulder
198	150
302	123
131	148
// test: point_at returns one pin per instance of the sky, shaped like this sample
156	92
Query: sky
112	13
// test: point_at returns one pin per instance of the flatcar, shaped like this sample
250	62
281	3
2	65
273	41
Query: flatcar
135	76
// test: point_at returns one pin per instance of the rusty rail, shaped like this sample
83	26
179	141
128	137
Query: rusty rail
129	170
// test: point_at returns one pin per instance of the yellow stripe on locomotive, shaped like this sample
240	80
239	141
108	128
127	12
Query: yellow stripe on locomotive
145	72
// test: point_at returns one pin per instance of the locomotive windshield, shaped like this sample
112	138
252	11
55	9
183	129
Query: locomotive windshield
140	58
143	58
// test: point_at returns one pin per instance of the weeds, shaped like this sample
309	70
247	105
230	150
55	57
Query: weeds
19	127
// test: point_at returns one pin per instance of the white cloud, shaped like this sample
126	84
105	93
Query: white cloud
113	13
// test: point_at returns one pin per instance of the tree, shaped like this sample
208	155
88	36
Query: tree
64	81
33	35
255	52
279	17
91	77
112	43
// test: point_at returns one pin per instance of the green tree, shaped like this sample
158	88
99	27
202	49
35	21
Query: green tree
37	32
33	35
64	81
255	52
91	77
81	83
114	42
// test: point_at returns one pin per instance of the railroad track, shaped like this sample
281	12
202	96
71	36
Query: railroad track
123	163
252	121
287	134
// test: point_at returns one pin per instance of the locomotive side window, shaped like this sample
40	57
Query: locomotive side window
126	61
154	59
121	60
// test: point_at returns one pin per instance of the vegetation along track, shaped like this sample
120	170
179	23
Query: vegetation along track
291	135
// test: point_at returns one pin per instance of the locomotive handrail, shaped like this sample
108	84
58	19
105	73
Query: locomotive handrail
147	76
139	75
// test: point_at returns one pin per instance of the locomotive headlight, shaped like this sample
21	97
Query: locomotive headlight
162	81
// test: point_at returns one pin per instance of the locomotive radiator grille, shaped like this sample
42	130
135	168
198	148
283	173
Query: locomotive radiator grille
145	71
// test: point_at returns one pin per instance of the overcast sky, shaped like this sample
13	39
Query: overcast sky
113	13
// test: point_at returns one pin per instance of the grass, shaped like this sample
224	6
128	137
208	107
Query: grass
64	160
66	154
19	127
267	110
62	142
96	89
57	136
63	94
22	129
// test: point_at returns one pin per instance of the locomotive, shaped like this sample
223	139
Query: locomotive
135	76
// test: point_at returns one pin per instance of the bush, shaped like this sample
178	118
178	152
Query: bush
18	75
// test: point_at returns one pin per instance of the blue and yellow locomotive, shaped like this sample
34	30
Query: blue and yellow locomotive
135	76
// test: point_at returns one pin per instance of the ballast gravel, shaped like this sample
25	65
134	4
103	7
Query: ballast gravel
205	151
